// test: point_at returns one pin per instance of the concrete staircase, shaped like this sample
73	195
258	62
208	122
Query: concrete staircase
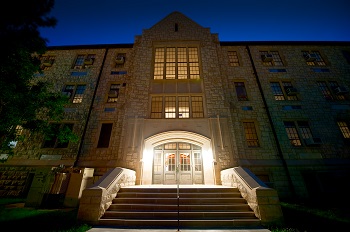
199	207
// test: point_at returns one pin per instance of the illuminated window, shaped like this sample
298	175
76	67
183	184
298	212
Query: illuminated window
332	91
271	58
292	134
47	62
251	134
241	91
233	58
74	92
177	107
288	92
170	107
297	130
113	92
79	94
184	107
84	61
344	128
176	63
313	58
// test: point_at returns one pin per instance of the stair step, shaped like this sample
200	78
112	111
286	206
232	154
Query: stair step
155	207
181	195
182	215
185	201
207	224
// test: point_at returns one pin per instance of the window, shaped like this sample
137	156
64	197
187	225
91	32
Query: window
84	61
74	92
114	91
53	141
313	58
176	63
177	107
346	55
241	91
250	134
288	92
18	132
105	135
120	59
271	58
300	130
233	58
332	91
344	128
46	62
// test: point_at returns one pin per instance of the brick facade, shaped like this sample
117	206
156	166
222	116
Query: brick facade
285	167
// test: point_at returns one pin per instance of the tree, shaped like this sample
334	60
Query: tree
24	100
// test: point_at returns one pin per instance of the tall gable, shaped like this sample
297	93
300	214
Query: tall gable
177	26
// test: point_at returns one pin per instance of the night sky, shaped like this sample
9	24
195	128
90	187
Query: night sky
87	22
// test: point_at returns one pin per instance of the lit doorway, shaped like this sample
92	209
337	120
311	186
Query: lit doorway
184	157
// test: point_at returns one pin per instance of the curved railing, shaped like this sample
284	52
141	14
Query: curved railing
262	200
96	199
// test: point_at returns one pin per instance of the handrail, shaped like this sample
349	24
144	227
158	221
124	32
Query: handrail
96	200
261	199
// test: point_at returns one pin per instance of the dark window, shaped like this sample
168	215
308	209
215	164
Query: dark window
52	140
241	91
105	135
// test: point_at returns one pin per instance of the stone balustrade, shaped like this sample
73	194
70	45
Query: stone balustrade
95	200
262	200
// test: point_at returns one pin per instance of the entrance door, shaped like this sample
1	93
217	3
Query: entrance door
167	162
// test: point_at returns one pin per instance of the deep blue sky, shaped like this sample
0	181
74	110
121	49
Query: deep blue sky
85	22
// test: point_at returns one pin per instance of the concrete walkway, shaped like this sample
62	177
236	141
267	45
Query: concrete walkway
105	229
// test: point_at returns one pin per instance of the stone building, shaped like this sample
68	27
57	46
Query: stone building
178	97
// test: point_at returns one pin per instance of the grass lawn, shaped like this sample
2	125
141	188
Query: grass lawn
298	218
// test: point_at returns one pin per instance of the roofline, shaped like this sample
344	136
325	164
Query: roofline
91	46
222	43
232	43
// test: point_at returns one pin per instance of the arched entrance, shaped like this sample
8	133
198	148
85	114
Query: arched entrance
191	153
177	160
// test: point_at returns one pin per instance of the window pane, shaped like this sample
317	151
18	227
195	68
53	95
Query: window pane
292	133
344	128
170	107
233	58
277	91
156	107
322	85
304	129
288	85
240	91
184	107
197	107
65	127
79	93
105	135
250	134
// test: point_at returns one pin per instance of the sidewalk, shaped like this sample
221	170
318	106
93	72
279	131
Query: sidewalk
106	229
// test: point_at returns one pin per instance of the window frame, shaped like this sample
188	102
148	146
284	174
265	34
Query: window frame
233	58
276	58
76	95
176	62
252	140
169	106
281	94
320	61
84	61
56	144
301	130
